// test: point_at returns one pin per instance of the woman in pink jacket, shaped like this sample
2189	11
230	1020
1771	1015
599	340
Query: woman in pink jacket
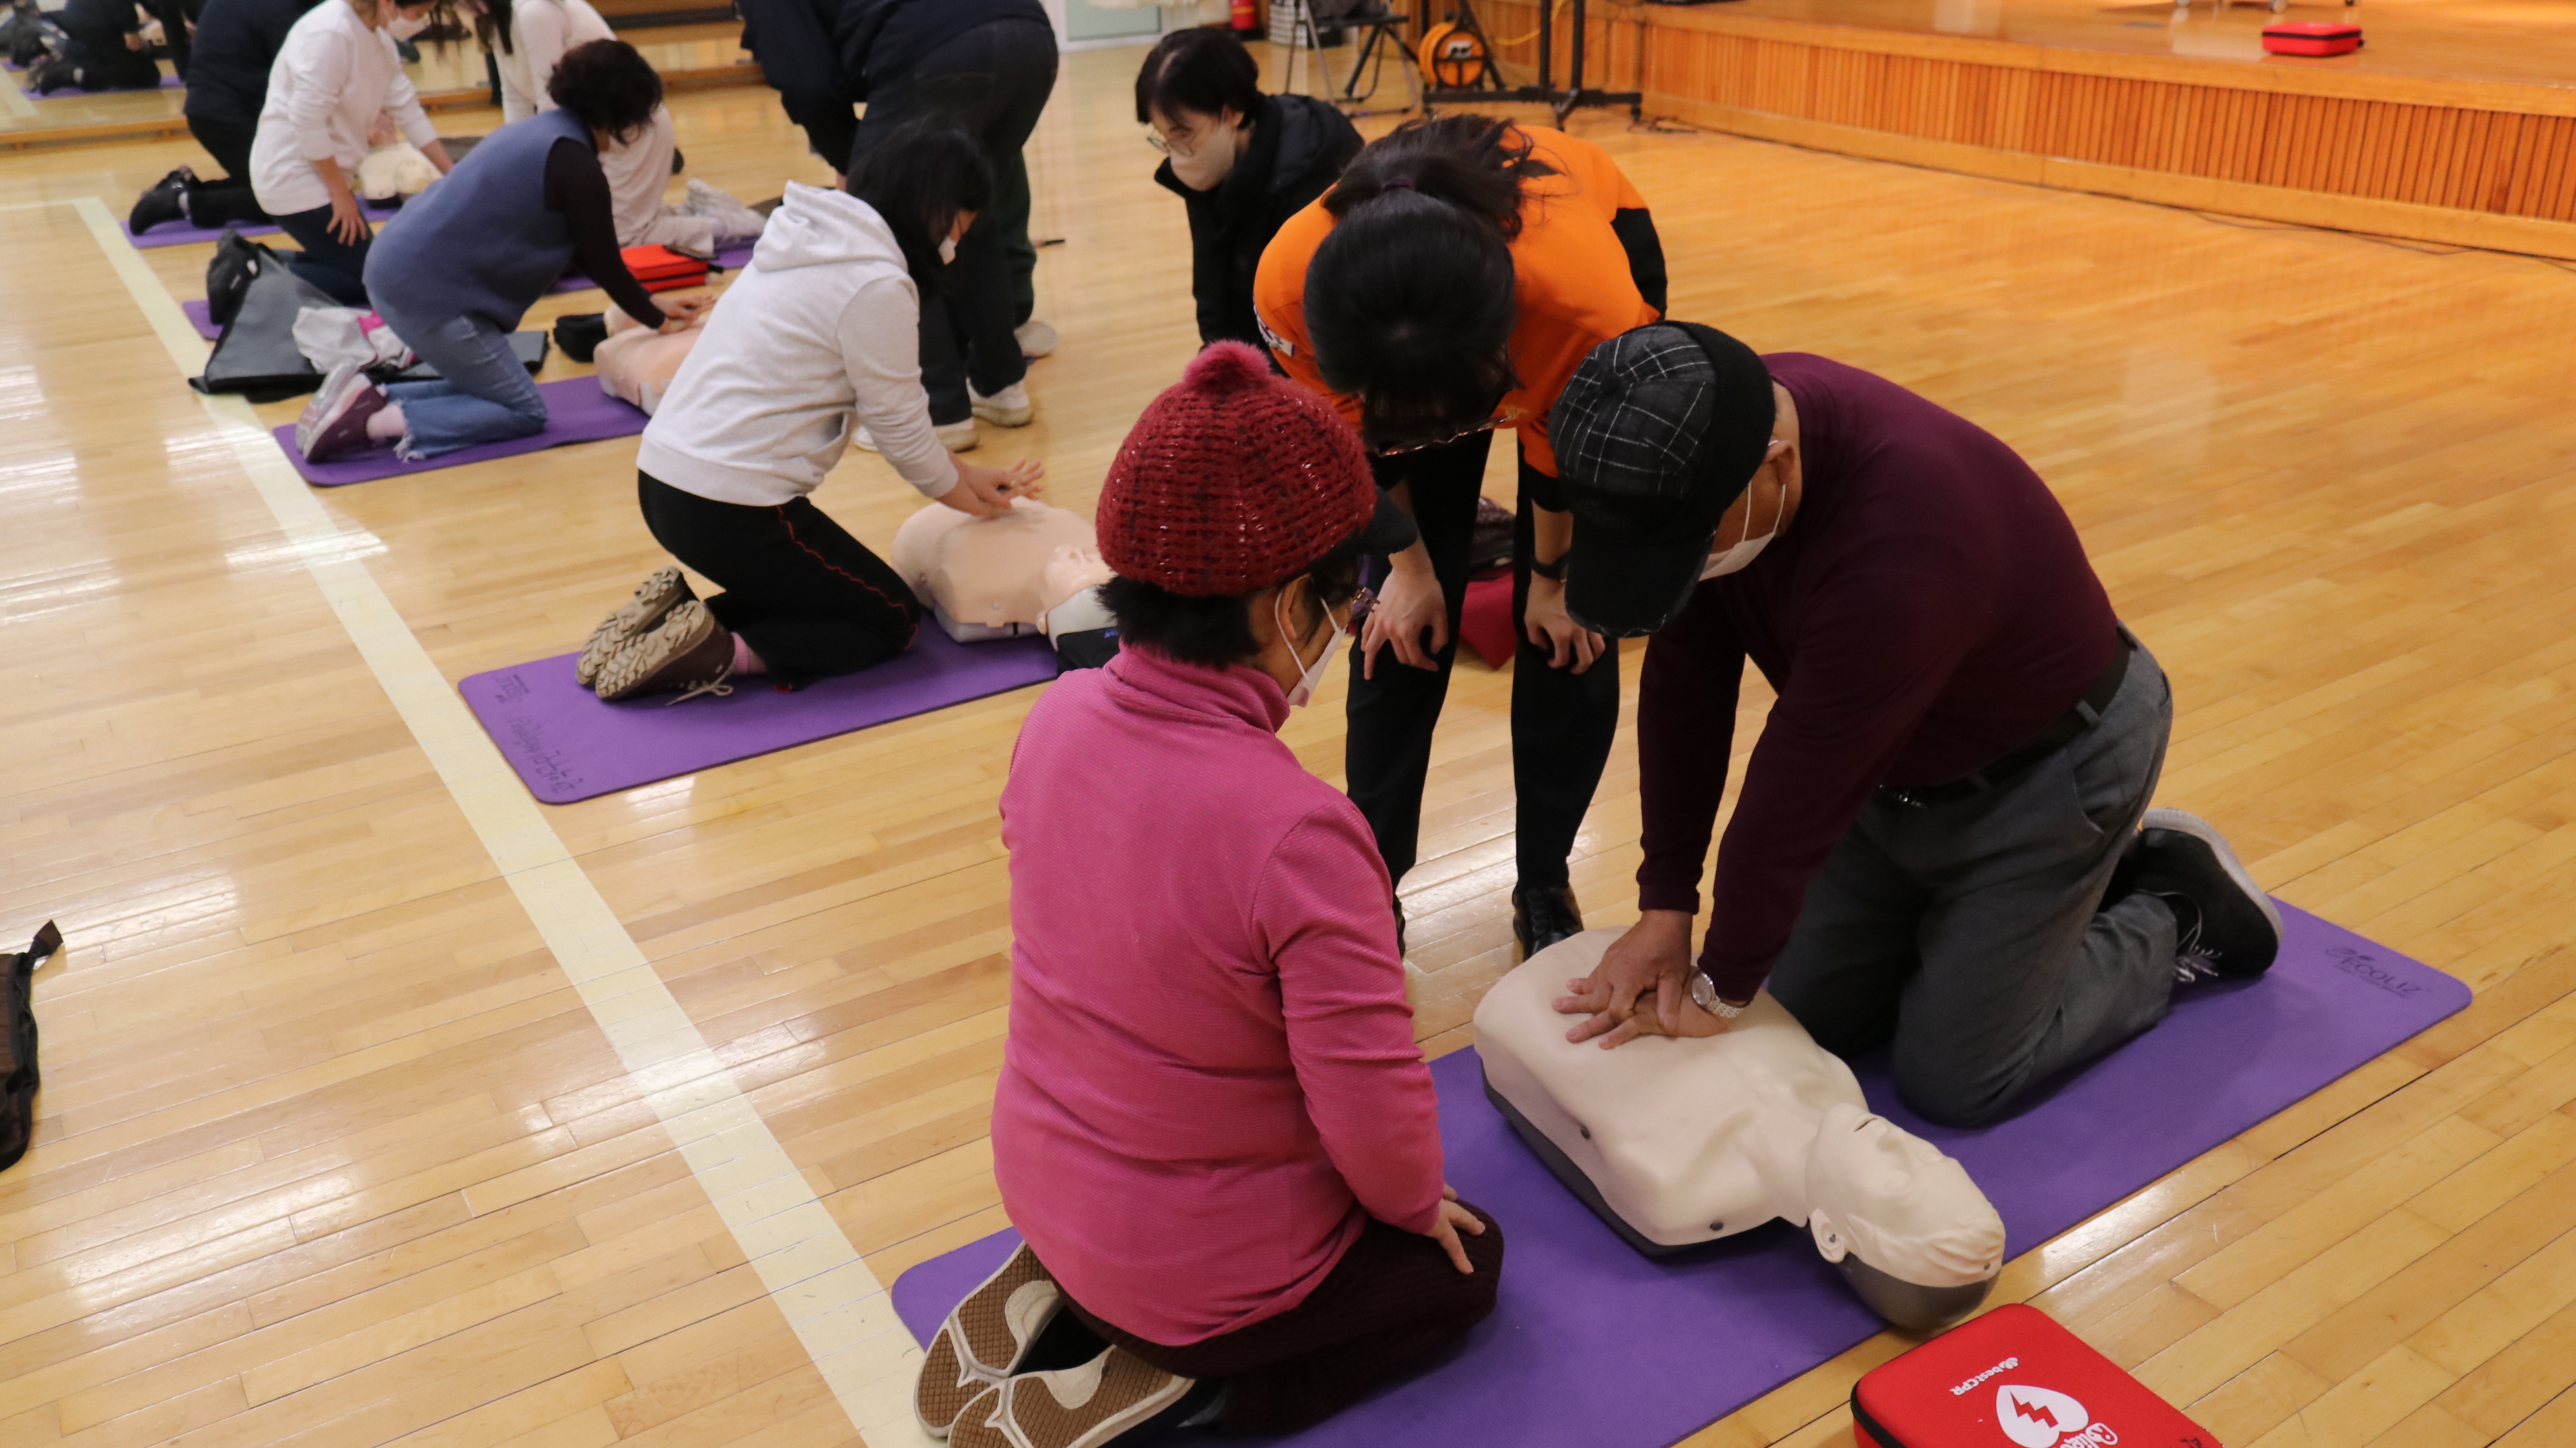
1213	1129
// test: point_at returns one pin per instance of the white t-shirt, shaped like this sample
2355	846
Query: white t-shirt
334	75
540	32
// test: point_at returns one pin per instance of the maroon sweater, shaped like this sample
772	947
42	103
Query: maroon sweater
1929	609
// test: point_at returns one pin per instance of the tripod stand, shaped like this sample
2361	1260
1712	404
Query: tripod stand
1545	91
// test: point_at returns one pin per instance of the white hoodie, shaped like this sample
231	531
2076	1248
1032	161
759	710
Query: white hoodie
820	333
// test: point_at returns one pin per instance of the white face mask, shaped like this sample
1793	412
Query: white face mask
1206	167
1734	559
404	27
947	251
1312	673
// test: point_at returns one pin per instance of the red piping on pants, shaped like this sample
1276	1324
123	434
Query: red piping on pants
854	578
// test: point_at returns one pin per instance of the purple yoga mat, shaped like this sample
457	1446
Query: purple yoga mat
567	745
1594	1344
168	82
576	411
181	233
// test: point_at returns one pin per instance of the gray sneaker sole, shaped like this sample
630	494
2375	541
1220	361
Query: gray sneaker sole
2184	822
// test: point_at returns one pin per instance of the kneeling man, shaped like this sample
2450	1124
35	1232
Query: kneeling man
1938	842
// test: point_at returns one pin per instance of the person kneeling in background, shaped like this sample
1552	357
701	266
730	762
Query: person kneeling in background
454	273
819	335
1213	1129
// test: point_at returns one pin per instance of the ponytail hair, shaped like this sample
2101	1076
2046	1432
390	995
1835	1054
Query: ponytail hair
1410	301
492	26
1474	163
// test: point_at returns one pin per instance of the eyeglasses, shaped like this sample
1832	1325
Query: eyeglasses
1182	145
1400	449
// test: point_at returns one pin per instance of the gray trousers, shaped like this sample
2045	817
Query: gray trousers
1971	933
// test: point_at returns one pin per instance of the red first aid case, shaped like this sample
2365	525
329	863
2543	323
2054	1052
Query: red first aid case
2013	1379
661	269
2311	37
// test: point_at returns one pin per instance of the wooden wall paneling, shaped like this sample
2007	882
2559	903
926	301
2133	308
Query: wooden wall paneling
2409	140
2557	199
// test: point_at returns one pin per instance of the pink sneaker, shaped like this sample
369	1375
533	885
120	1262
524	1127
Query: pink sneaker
335	421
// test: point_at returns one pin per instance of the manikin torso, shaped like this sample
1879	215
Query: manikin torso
989	578
1690	1140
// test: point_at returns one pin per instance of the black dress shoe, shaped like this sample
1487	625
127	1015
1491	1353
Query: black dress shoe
166	200
1542	915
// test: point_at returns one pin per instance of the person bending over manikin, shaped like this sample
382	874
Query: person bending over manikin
816	338
998	577
526	40
1676	1141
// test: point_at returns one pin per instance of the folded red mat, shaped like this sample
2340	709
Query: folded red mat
661	269
2312	37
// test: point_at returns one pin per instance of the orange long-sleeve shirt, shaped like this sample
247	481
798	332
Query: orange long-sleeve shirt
1570	275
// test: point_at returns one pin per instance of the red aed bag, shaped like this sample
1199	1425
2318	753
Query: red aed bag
2311	37
2013	1379
661	269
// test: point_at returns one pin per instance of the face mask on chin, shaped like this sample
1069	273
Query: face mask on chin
404	27
1310	674
1734	559
1205	168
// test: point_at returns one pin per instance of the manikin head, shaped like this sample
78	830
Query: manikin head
1909	1229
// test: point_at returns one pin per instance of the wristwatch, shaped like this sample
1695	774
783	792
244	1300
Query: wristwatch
1703	993
1552	572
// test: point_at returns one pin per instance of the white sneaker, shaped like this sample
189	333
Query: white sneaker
1037	339
734	221
1009	407
954	436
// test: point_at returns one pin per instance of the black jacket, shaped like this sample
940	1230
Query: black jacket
237	42
1299	147
825	56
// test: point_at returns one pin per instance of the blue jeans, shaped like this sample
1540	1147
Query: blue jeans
335	266
483	392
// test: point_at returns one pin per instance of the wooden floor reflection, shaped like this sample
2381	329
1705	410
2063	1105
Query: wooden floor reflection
330	1153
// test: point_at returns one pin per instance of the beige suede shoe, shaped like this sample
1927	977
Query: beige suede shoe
984	1339
654	598
689	654
1072	1408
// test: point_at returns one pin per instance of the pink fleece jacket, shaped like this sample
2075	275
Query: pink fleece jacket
1211	1081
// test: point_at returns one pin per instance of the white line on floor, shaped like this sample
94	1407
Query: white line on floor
839	1311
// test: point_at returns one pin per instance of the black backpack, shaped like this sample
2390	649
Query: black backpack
18	1045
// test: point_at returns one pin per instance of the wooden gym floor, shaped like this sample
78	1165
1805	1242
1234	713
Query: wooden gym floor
385	1106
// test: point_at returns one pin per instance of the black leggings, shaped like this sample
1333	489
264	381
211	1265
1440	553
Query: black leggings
1392	1304
810	599
1562	722
213	204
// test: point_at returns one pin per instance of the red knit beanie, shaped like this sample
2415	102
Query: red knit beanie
1232	480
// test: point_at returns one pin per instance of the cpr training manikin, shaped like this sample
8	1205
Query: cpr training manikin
1675	1142
1031	570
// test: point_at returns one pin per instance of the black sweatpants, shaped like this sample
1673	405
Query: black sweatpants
1562	722
994	80
810	599
1392	1303
215	203
100	61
